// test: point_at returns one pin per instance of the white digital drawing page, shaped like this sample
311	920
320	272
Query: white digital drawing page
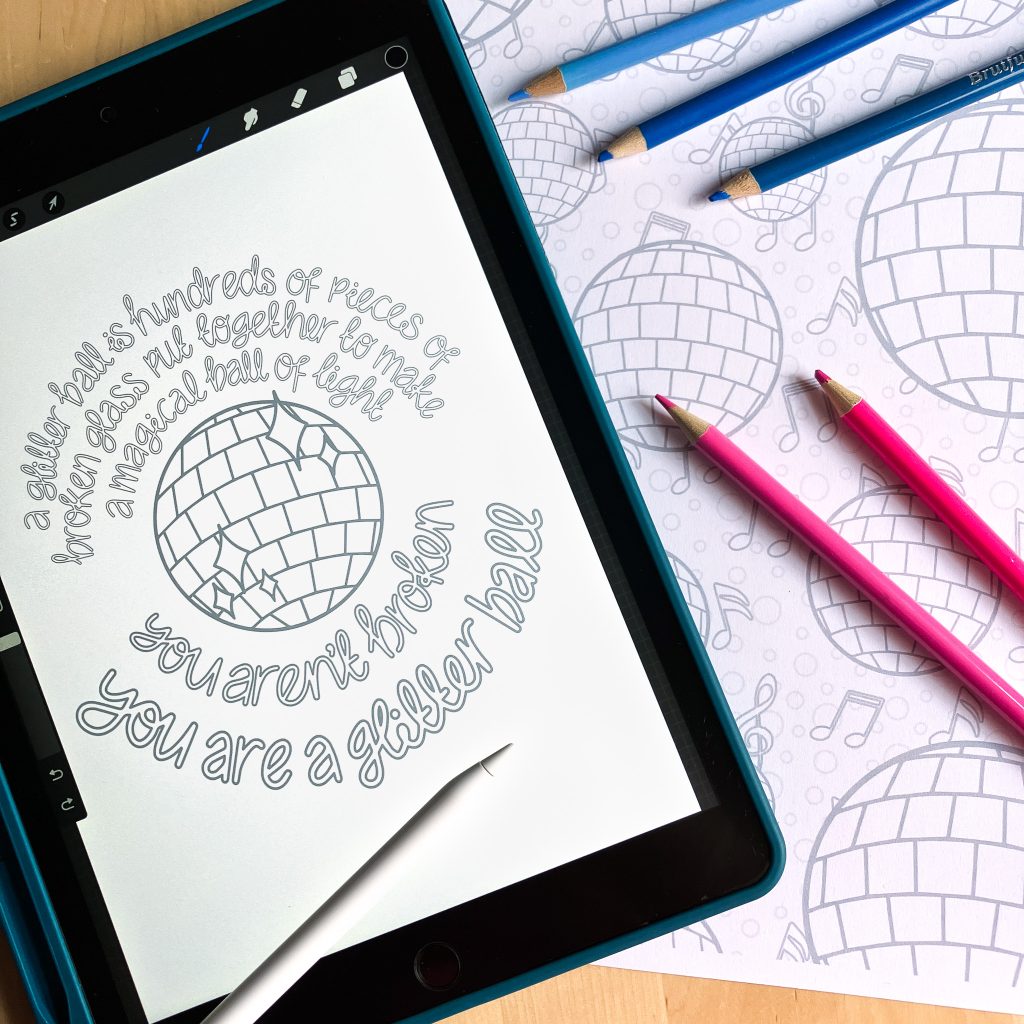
900	273
290	549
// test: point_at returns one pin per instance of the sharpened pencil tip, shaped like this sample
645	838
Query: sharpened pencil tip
489	762
667	402
821	377
604	155
520	94
717	197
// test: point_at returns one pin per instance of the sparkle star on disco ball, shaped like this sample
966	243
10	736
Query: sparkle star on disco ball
268	515
919	869
686	320
762	140
552	155
628	18
940	263
906	540
967	18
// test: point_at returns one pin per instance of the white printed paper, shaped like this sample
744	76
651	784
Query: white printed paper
899	272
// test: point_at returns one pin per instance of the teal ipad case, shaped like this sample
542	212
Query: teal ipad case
28	918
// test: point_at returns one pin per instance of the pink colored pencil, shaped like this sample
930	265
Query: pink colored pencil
976	535
821	538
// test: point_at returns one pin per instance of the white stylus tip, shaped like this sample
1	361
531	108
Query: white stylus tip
488	763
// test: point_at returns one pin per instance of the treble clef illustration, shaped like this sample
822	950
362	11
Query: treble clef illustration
757	738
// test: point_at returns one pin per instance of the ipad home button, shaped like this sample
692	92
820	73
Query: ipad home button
437	966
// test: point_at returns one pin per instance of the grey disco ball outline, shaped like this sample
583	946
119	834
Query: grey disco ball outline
673	61
506	17
926	663
632	433
888	343
910	831
690	587
226	415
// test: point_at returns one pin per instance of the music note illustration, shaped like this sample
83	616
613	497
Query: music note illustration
1018	531
731	601
794	945
846	299
757	738
854	700
968	710
994	452
803	100
949	473
870	479
767	240
790	393
903	80
704	156
782	547
742	541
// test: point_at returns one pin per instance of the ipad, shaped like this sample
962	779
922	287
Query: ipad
308	503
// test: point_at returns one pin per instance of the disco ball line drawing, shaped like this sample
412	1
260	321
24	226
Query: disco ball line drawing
268	515
482	21
940	259
686	320
919	868
741	146
551	152
897	532
967	18
627	18
694	596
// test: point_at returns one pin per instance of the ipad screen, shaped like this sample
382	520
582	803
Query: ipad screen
289	541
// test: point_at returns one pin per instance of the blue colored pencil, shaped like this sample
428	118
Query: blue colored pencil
681	32
930	106
804	59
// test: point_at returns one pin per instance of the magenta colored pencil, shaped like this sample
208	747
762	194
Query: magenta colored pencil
866	577
972	530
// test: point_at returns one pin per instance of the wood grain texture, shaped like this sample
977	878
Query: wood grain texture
46	41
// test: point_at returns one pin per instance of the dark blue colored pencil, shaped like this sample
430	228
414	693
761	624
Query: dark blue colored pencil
961	92
804	59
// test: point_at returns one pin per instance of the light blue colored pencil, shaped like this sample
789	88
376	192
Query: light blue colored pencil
878	22
647	45
887	124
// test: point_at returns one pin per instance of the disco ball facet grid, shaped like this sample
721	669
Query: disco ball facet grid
967	18
941	258
628	18
919	869
762	140
694	596
896	531
685	320
551	153
481	19
268	515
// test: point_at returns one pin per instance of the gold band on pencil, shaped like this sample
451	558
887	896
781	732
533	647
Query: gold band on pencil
551	83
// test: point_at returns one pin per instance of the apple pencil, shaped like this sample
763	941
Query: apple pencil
350	904
864	575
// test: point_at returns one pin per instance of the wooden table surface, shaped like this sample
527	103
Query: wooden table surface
45	41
